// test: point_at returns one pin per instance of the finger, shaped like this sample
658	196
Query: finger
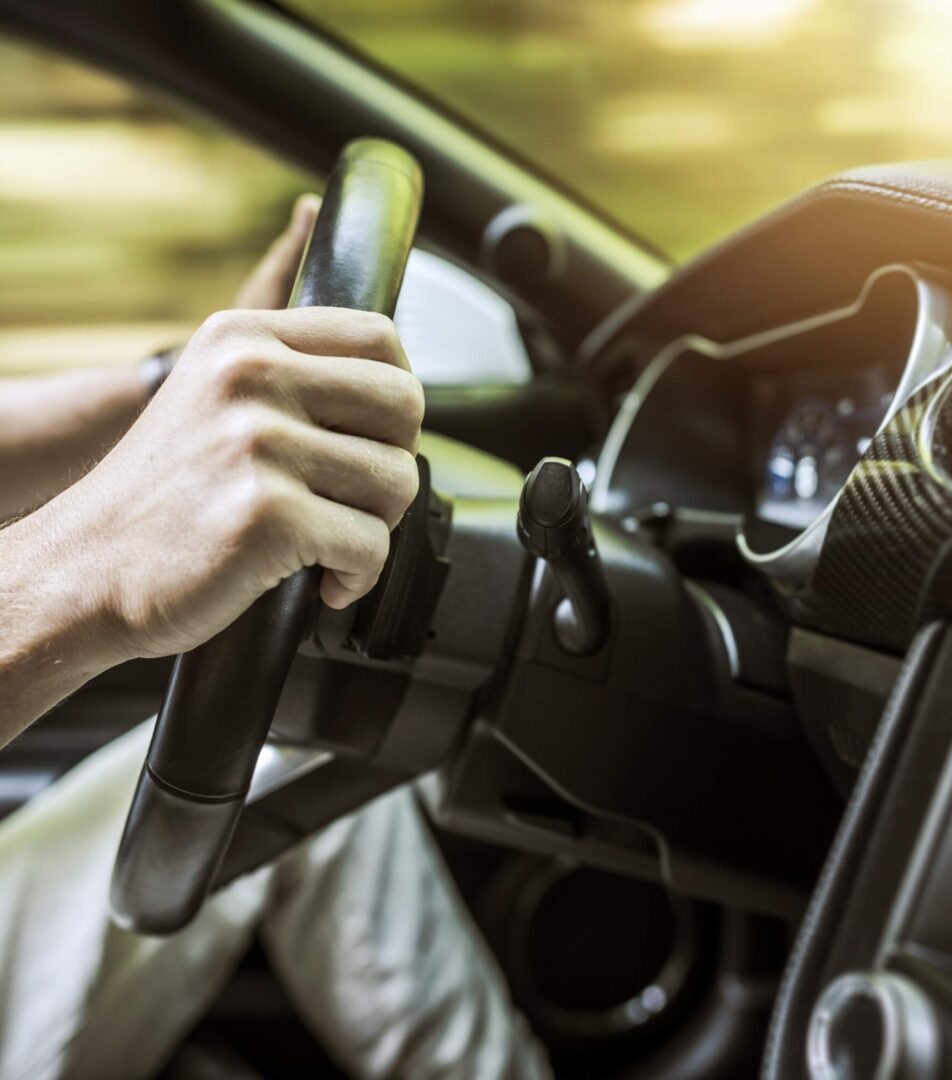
350	545
346	394
270	282
363	474
359	397
303	217
340	590
283	256
320	331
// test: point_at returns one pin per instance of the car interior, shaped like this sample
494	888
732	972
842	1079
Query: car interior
663	637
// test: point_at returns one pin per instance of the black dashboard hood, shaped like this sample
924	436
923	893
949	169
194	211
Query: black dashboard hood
811	253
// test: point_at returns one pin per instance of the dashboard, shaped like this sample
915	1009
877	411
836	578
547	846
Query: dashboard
818	449
765	432
808	464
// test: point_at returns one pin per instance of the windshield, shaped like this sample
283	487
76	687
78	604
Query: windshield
681	118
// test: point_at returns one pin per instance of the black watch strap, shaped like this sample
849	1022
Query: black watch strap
157	367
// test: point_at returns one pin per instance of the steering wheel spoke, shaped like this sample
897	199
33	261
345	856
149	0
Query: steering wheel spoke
222	696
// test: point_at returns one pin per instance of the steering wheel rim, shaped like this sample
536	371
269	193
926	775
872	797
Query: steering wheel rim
222	696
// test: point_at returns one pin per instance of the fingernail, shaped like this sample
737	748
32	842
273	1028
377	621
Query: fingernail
305	209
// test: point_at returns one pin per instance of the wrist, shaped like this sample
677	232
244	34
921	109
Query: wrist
55	623
60	594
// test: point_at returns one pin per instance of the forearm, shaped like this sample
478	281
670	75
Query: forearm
251	464
54	428
55	628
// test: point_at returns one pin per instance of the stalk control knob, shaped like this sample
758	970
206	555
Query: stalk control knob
554	525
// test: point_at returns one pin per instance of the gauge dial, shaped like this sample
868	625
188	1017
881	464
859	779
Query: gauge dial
807	463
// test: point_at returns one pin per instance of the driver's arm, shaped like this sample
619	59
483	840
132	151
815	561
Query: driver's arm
53	428
282	439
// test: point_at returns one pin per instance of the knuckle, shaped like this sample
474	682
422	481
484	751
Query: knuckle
240	370
379	545
371	546
251	435
402	481
219	326
381	334
258	505
406	480
411	402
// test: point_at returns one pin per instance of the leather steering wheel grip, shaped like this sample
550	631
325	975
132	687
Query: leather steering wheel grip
222	696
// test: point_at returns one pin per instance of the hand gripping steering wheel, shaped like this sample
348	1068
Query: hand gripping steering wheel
570	690
222	696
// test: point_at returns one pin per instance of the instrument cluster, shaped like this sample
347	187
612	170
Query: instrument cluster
764	433
810	429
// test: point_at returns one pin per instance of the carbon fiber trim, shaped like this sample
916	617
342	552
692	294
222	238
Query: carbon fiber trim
929	354
885	567
874	565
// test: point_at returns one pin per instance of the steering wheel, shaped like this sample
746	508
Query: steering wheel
222	696
574	691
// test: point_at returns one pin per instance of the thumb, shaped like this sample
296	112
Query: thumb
269	283
303	217
282	258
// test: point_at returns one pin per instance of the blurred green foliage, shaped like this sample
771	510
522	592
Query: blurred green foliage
683	118
123	222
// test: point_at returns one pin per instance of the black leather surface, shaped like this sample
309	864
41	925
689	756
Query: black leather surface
810	254
163	865
222	696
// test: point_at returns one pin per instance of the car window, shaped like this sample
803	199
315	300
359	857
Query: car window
122	222
682	118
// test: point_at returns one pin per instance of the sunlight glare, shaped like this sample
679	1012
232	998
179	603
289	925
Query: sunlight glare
690	24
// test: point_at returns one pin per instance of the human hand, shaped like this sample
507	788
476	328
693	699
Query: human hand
281	440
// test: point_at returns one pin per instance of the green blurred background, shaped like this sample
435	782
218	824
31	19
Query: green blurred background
123	220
